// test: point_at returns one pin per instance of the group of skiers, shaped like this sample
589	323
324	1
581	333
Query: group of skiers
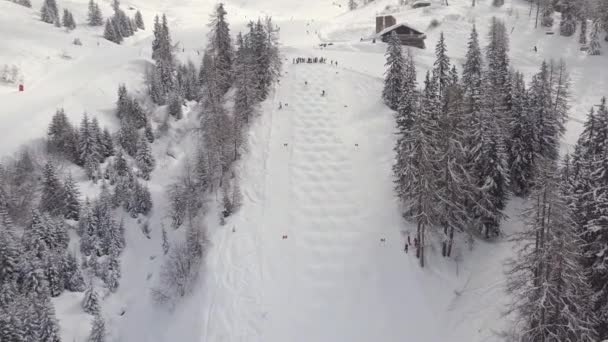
409	242
323	60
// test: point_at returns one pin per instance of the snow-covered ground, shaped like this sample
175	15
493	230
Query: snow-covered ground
316	171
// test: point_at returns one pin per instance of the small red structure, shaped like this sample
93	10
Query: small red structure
21	88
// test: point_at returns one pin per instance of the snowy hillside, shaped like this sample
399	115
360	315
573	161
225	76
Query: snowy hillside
316	251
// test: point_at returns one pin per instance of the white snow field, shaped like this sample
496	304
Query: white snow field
317	171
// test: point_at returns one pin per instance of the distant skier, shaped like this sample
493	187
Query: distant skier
323	93
406	248
535	48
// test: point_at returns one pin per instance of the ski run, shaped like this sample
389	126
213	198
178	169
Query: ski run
252	195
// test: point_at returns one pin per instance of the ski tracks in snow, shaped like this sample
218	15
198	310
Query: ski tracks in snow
305	262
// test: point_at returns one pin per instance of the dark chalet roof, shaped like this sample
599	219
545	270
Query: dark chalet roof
402	28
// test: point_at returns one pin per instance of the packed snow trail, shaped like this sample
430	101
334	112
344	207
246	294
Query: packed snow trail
318	173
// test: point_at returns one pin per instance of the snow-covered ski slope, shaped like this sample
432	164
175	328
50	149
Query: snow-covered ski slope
305	262
332	279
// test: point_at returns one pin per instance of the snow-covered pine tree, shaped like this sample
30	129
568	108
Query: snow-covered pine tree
352	5
68	20
73	279
61	136
275	62
157	32
98	329
98	139
582	38
175	106
220	47
45	235
110	32
258	41
595	48
472	76
395	65
123	103
52	197
226	202
140	200
136	114
546	8
547	280
94	16
162	79
485	159
145	160
522	146
165	244
10	248
408	97
87	231
90	301
441	67
548	105
127	138
106	144
31	280
498	75
567	26
113	238
454	181
72	199
416	171
54	274
245	95
43	322
88	148
191	85
148	132
202	177
590	194
139	21
112	273
486	154
206	76
49	13
602	13
121	167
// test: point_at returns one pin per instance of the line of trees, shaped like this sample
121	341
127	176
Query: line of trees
248	65
119	26
559	276
49	13
467	141
36	264
465	145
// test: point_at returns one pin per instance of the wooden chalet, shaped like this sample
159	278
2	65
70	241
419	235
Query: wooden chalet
408	35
